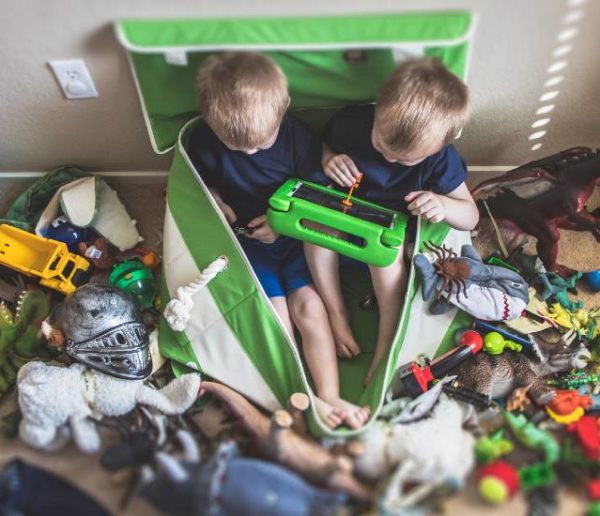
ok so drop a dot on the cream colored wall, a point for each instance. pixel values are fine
(513, 47)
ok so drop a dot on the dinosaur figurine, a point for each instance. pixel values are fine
(487, 292)
(544, 195)
(497, 376)
(20, 336)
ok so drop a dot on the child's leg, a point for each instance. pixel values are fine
(389, 284)
(309, 314)
(324, 267)
(281, 307)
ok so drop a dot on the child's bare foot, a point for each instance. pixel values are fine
(330, 415)
(354, 416)
(345, 344)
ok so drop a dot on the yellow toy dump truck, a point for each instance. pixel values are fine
(46, 259)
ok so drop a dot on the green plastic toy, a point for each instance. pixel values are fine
(491, 448)
(495, 344)
(533, 437)
(536, 475)
(20, 337)
(135, 278)
(380, 231)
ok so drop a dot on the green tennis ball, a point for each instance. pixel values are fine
(493, 490)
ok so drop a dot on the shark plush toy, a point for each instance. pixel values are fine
(487, 292)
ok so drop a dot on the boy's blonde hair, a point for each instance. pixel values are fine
(243, 97)
(421, 102)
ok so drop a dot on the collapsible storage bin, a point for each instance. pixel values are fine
(234, 335)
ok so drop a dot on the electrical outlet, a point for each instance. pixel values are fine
(74, 78)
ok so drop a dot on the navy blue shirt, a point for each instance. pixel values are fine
(349, 132)
(245, 182)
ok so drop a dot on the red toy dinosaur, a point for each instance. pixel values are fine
(544, 195)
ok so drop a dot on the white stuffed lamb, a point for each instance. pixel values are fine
(56, 401)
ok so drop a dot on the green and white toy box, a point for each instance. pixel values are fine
(234, 334)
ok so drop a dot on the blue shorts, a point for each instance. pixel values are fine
(280, 266)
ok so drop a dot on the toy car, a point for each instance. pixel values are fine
(46, 259)
(376, 232)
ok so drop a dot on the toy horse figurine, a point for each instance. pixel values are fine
(485, 291)
(544, 195)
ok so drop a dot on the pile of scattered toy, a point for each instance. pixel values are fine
(516, 401)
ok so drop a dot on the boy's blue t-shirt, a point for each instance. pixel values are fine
(349, 132)
(245, 182)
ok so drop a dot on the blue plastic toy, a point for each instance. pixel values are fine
(593, 280)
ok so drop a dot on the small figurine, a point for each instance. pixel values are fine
(568, 406)
(491, 448)
(544, 195)
(485, 291)
(531, 436)
(99, 252)
(518, 399)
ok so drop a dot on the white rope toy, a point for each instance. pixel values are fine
(179, 310)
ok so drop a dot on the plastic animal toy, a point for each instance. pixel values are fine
(276, 440)
(568, 406)
(228, 484)
(57, 402)
(485, 291)
(531, 436)
(491, 448)
(497, 376)
(575, 379)
(20, 338)
(554, 286)
(518, 399)
(415, 453)
(544, 195)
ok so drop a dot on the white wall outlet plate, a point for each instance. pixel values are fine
(74, 78)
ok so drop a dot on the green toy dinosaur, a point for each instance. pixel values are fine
(20, 337)
(533, 437)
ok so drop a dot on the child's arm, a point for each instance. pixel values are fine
(457, 208)
(224, 207)
(339, 167)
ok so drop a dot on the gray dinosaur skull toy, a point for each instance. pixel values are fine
(100, 326)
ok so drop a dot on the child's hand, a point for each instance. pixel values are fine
(262, 231)
(227, 211)
(341, 169)
(428, 204)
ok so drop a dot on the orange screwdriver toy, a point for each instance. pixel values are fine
(347, 201)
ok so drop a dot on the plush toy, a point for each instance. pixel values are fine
(415, 453)
(228, 484)
(487, 292)
(57, 402)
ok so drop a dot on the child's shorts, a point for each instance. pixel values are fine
(280, 266)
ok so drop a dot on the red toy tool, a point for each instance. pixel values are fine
(416, 379)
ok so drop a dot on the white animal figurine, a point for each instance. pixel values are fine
(432, 451)
(56, 402)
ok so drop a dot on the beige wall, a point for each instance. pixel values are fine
(513, 48)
